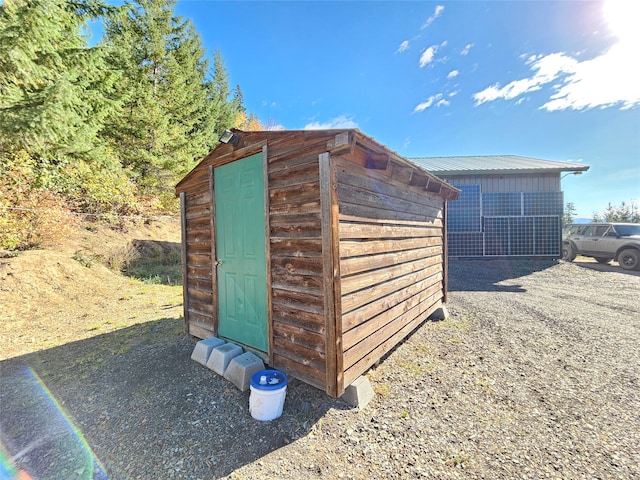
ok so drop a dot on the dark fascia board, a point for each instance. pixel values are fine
(520, 171)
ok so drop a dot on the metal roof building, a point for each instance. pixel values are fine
(508, 205)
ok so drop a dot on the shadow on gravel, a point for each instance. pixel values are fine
(604, 267)
(485, 275)
(132, 404)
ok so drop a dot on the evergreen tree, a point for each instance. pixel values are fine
(624, 213)
(224, 110)
(238, 100)
(169, 120)
(569, 213)
(55, 91)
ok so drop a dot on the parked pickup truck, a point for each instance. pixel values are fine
(604, 242)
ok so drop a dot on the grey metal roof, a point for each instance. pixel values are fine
(494, 164)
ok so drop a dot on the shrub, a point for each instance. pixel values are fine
(30, 215)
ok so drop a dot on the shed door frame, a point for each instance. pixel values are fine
(239, 155)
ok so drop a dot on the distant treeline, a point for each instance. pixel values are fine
(107, 127)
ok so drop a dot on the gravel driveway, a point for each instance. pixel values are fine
(534, 375)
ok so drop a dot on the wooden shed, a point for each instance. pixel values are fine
(319, 250)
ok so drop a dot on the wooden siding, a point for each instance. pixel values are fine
(391, 263)
(296, 246)
(197, 271)
(543, 182)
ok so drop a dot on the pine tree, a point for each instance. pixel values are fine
(55, 91)
(168, 120)
(569, 213)
(224, 110)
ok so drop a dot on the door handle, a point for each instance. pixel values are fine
(218, 263)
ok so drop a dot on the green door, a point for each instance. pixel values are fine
(240, 247)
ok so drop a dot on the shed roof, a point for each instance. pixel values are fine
(337, 141)
(494, 164)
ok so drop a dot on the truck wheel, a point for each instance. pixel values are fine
(567, 253)
(629, 259)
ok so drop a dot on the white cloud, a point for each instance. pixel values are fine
(546, 69)
(453, 74)
(436, 99)
(611, 79)
(403, 46)
(436, 13)
(341, 121)
(427, 56)
(467, 48)
(607, 80)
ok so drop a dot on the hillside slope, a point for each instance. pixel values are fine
(66, 292)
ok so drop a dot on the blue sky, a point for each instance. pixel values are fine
(544, 79)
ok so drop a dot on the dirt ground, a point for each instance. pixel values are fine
(66, 292)
(536, 374)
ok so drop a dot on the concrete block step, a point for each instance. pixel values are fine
(241, 368)
(221, 357)
(203, 349)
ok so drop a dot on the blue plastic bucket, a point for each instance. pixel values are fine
(268, 391)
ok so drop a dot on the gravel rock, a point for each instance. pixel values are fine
(534, 375)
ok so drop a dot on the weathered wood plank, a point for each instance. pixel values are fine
(331, 275)
(363, 230)
(366, 361)
(214, 270)
(282, 228)
(302, 208)
(199, 247)
(294, 194)
(200, 222)
(432, 222)
(362, 280)
(200, 330)
(204, 307)
(198, 271)
(381, 185)
(284, 279)
(300, 265)
(300, 354)
(357, 248)
(376, 213)
(199, 295)
(381, 336)
(183, 254)
(301, 336)
(198, 197)
(367, 295)
(199, 259)
(363, 314)
(289, 174)
(363, 331)
(349, 266)
(301, 297)
(296, 246)
(303, 372)
(194, 213)
(267, 249)
(292, 314)
(199, 283)
(353, 195)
